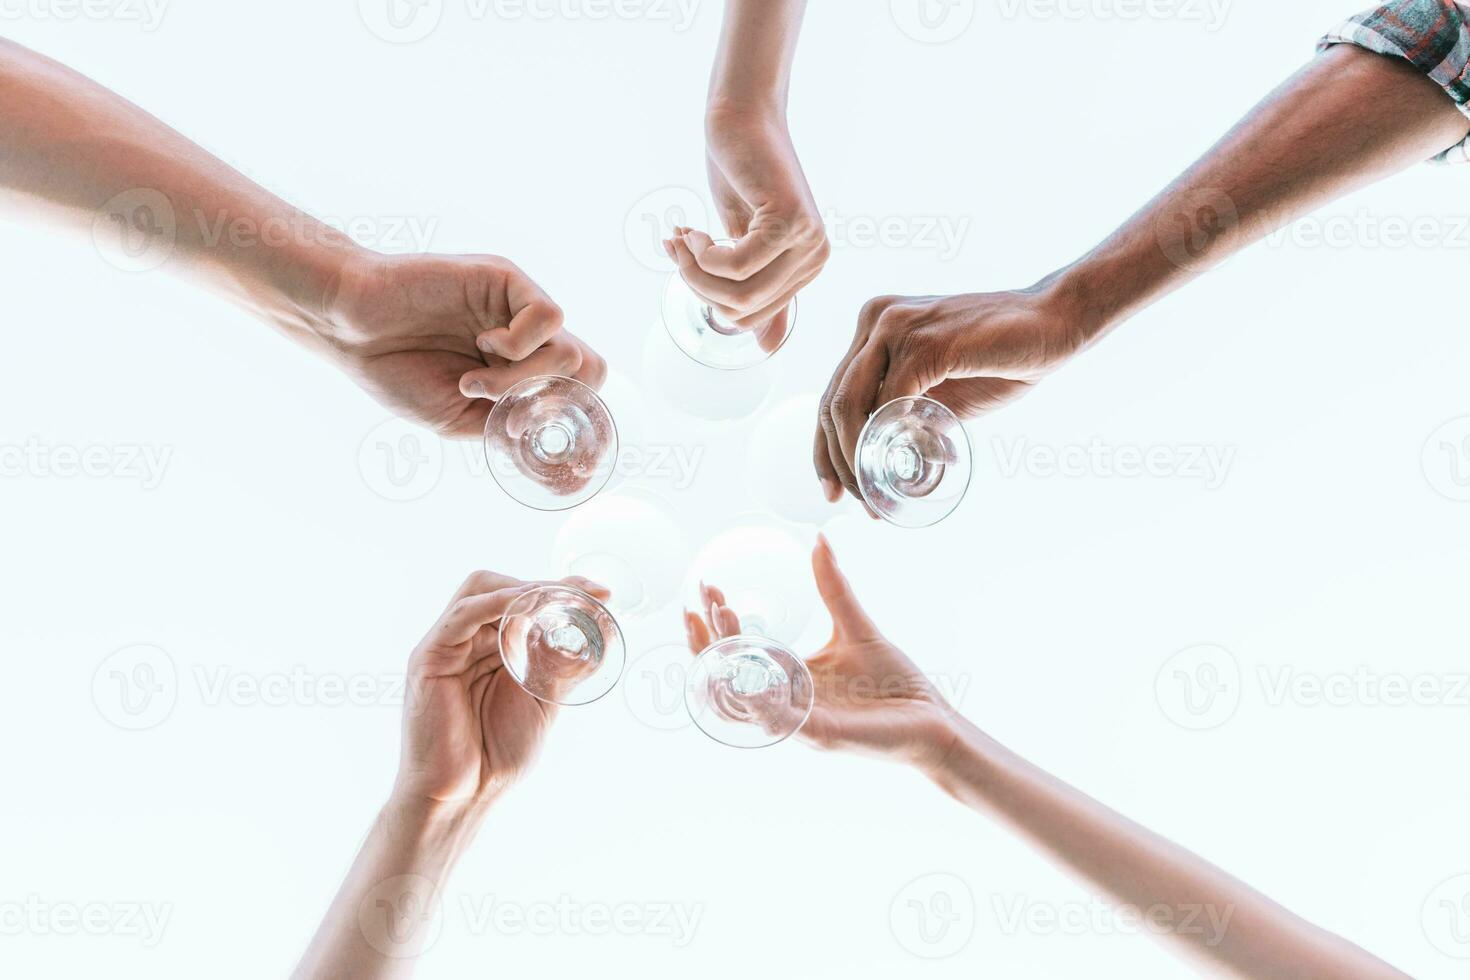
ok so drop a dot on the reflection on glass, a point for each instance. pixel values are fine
(562, 645)
(749, 692)
(630, 542)
(764, 571)
(713, 341)
(913, 462)
(551, 443)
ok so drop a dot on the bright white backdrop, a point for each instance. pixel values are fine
(267, 557)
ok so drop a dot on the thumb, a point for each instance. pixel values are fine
(848, 617)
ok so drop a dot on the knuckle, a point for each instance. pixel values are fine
(874, 308)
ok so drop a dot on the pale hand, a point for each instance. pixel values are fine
(469, 730)
(766, 205)
(870, 697)
(437, 338)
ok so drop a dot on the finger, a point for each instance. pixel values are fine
(835, 458)
(774, 334)
(856, 397)
(759, 291)
(469, 615)
(763, 242)
(722, 294)
(848, 617)
(822, 458)
(560, 357)
(480, 582)
(596, 590)
(828, 447)
(593, 372)
(535, 319)
(697, 633)
(727, 624)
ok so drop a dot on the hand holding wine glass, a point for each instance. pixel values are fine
(869, 696)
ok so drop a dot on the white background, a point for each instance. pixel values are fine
(1054, 602)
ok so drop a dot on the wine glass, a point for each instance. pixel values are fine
(551, 443)
(562, 645)
(913, 462)
(749, 692)
(630, 541)
(707, 337)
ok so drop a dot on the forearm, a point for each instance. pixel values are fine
(1221, 924)
(80, 154)
(752, 69)
(383, 916)
(1349, 118)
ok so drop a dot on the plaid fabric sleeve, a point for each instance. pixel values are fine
(1431, 35)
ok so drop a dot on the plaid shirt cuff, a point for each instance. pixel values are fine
(1431, 35)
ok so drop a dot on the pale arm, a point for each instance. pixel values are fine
(435, 338)
(1221, 925)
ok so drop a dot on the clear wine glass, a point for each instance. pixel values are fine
(630, 541)
(707, 337)
(749, 692)
(914, 462)
(551, 443)
(562, 645)
(764, 570)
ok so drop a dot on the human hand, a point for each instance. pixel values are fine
(766, 205)
(469, 731)
(870, 697)
(973, 353)
(438, 338)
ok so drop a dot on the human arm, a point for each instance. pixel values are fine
(469, 734)
(872, 699)
(418, 333)
(759, 188)
(1349, 118)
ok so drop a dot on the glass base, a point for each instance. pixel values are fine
(749, 692)
(551, 443)
(562, 646)
(914, 462)
(712, 340)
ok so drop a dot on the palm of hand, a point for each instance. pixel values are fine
(470, 733)
(871, 698)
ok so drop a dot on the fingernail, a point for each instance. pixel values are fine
(474, 390)
(831, 490)
(484, 344)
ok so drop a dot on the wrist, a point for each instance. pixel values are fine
(298, 283)
(728, 110)
(1077, 297)
(433, 828)
(962, 743)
